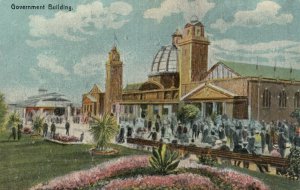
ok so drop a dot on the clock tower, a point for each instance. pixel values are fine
(114, 77)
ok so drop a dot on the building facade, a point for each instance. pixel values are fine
(179, 72)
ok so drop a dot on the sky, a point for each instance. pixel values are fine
(66, 51)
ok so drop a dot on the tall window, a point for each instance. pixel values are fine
(297, 100)
(266, 98)
(282, 99)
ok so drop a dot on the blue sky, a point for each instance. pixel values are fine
(66, 51)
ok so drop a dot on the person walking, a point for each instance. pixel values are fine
(13, 133)
(282, 140)
(53, 129)
(251, 142)
(157, 126)
(263, 141)
(67, 126)
(149, 125)
(20, 126)
(194, 131)
(45, 129)
(81, 136)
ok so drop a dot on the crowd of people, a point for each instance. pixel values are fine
(268, 138)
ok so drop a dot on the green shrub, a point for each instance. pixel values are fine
(207, 160)
(163, 160)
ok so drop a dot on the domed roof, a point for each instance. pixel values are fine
(165, 61)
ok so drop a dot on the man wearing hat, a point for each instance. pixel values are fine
(245, 151)
(251, 142)
(282, 140)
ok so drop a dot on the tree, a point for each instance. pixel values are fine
(187, 113)
(103, 130)
(296, 114)
(3, 111)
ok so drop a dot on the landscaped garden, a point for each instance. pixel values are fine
(30, 161)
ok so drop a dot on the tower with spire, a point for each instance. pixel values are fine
(114, 78)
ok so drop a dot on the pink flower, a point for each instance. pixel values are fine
(180, 181)
(87, 177)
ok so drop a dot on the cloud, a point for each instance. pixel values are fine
(37, 43)
(187, 7)
(50, 63)
(90, 65)
(283, 53)
(265, 13)
(18, 92)
(85, 20)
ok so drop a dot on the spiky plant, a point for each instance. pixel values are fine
(103, 130)
(38, 121)
(163, 160)
(13, 120)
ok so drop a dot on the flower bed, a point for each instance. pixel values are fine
(180, 181)
(110, 175)
(226, 177)
(64, 138)
(85, 178)
(27, 130)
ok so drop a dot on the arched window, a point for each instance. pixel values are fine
(297, 100)
(266, 98)
(282, 99)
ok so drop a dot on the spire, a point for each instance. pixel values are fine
(115, 40)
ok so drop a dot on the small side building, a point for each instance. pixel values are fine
(93, 102)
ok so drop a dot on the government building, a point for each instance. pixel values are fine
(180, 72)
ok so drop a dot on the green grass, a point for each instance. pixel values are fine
(30, 161)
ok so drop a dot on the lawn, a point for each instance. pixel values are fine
(30, 161)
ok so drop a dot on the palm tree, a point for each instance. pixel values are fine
(13, 120)
(103, 129)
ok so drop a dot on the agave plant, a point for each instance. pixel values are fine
(103, 130)
(38, 121)
(163, 160)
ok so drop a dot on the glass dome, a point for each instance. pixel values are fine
(165, 61)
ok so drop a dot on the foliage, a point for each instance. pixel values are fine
(103, 129)
(207, 160)
(3, 111)
(27, 130)
(163, 160)
(296, 114)
(187, 113)
(13, 120)
(64, 138)
(38, 122)
(294, 162)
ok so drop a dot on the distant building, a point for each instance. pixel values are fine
(93, 102)
(51, 103)
(179, 72)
